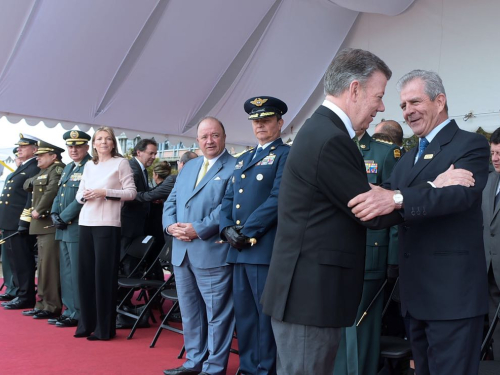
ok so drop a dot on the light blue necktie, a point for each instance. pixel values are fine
(421, 147)
(258, 152)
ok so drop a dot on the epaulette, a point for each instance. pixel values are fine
(381, 141)
(243, 152)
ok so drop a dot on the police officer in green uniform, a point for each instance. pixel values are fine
(43, 187)
(64, 215)
(359, 349)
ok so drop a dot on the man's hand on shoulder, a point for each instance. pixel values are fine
(454, 176)
(373, 203)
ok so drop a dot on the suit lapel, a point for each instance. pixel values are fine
(21, 168)
(493, 189)
(324, 111)
(433, 149)
(210, 173)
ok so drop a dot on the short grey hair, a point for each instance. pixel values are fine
(350, 65)
(433, 85)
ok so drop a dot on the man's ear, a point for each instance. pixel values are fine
(354, 90)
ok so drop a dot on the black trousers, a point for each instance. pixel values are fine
(99, 253)
(22, 262)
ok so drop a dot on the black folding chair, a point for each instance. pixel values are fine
(489, 367)
(394, 349)
(145, 285)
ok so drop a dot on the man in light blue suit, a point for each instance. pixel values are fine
(202, 276)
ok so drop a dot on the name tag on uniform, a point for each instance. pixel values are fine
(268, 160)
(44, 176)
(428, 156)
(76, 177)
(239, 165)
(371, 166)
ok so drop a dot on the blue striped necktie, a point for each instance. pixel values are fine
(422, 146)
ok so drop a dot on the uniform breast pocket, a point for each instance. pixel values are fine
(40, 184)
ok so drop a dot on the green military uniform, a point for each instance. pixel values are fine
(359, 349)
(68, 210)
(43, 187)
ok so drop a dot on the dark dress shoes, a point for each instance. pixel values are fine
(30, 312)
(80, 335)
(54, 321)
(181, 371)
(6, 297)
(17, 305)
(5, 303)
(44, 314)
(68, 322)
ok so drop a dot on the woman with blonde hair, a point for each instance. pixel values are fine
(106, 182)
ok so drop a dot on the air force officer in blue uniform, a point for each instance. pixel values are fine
(202, 276)
(248, 222)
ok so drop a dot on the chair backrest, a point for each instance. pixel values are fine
(489, 335)
(139, 248)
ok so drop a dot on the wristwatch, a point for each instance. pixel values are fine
(398, 199)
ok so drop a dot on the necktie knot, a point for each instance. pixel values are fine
(422, 146)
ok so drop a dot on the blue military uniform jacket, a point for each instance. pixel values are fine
(65, 204)
(252, 201)
(14, 198)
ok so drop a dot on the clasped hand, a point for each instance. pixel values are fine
(89, 194)
(182, 231)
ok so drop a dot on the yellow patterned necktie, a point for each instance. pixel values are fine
(203, 172)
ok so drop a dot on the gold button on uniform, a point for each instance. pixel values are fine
(238, 222)
(40, 189)
(241, 191)
(238, 206)
(64, 185)
(62, 195)
(376, 243)
(243, 176)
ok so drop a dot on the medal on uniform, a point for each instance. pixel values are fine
(259, 177)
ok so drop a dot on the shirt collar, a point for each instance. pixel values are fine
(142, 166)
(436, 130)
(212, 161)
(345, 119)
(24, 162)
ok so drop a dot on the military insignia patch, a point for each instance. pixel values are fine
(76, 177)
(268, 160)
(397, 153)
(59, 170)
(239, 165)
(258, 102)
(74, 134)
(371, 166)
(259, 177)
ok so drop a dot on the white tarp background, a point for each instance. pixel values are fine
(157, 66)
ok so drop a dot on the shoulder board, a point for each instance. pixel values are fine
(383, 142)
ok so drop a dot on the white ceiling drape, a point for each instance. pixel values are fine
(158, 66)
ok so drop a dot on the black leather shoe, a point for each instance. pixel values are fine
(6, 297)
(17, 305)
(5, 303)
(68, 322)
(44, 314)
(30, 312)
(181, 371)
(54, 321)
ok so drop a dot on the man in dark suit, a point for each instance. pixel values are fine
(19, 248)
(250, 211)
(491, 234)
(64, 214)
(202, 276)
(315, 277)
(134, 214)
(443, 279)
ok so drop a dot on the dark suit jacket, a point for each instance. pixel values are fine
(14, 197)
(491, 224)
(441, 254)
(316, 271)
(134, 213)
(256, 207)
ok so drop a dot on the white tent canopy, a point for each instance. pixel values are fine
(158, 66)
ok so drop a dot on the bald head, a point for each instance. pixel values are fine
(392, 129)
